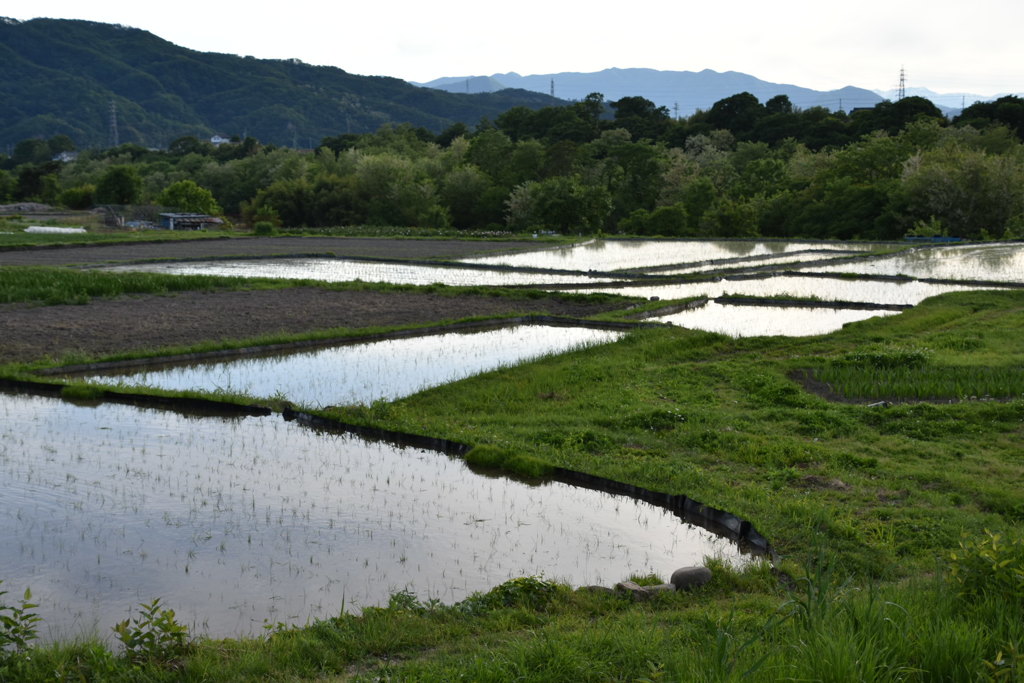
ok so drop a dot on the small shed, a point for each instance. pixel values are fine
(187, 221)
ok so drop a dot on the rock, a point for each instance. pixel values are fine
(688, 578)
(633, 589)
(640, 593)
(595, 589)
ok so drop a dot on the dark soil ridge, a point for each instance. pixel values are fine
(249, 247)
(808, 303)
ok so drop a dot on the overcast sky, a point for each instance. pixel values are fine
(947, 47)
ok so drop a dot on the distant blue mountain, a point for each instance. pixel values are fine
(681, 92)
(951, 103)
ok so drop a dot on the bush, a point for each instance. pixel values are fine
(264, 228)
(989, 567)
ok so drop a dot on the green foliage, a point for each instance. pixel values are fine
(119, 185)
(264, 228)
(990, 566)
(492, 457)
(527, 592)
(81, 197)
(187, 197)
(154, 636)
(17, 627)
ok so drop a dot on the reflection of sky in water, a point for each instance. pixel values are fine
(606, 255)
(232, 522)
(754, 321)
(825, 288)
(756, 262)
(363, 373)
(340, 270)
(991, 262)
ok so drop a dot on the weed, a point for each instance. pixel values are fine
(17, 626)
(154, 636)
(530, 592)
(989, 566)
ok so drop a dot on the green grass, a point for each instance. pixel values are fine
(12, 235)
(884, 517)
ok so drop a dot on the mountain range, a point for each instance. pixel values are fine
(102, 84)
(684, 92)
(80, 78)
(681, 92)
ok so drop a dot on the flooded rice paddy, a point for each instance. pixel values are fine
(889, 292)
(341, 270)
(366, 372)
(608, 255)
(238, 522)
(951, 267)
(754, 321)
(1002, 262)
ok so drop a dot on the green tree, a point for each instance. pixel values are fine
(119, 185)
(188, 197)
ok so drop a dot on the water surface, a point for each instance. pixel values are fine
(909, 292)
(1001, 262)
(341, 270)
(365, 372)
(238, 522)
(754, 321)
(607, 255)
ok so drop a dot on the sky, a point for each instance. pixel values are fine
(946, 47)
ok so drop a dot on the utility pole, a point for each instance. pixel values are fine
(114, 138)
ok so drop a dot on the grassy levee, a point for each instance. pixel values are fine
(899, 524)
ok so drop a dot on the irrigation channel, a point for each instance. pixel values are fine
(238, 518)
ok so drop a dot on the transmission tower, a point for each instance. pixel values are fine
(552, 87)
(114, 138)
(903, 85)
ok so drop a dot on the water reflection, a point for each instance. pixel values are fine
(825, 288)
(1001, 262)
(234, 522)
(754, 321)
(366, 372)
(607, 255)
(341, 270)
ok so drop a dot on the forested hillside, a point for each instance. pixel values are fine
(741, 169)
(60, 77)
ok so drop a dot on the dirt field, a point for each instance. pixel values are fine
(154, 322)
(254, 246)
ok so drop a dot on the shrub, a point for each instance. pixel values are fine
(990, 566)
(154, 637)
(17, 626)
(264, 228)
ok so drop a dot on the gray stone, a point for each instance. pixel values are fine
(595, 589)
(640, 593)
(632, 588)
(688, 578)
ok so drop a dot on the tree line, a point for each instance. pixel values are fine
(740, 169)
